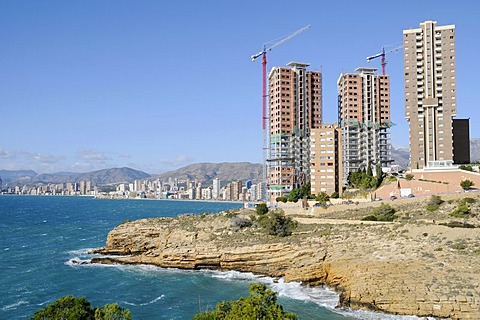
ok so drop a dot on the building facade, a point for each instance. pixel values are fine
(430, 93)
(326, 159)
(461, 141)
(364, 119)
(295, 107)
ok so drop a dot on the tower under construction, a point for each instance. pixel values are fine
(364, 119)
(295, 107)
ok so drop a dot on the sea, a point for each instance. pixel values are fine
(41, 238)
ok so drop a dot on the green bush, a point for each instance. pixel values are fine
(70, 307)
(335, 195)
(462, 211)
(409, 176)
(277, 224)
(262, 208)
(382, 213)
(467, 200)
(282, 199)
(322, 197)
(466, 184)
(370, 218)
(434, 202)
(466, 167)
(260, 304)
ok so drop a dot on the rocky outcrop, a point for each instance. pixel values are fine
(402, 268)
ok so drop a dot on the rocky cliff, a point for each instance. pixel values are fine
(413, 266)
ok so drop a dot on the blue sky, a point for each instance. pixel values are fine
(156, 85)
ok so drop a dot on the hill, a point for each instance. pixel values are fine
(225, 171)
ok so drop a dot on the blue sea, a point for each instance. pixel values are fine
(40, 236)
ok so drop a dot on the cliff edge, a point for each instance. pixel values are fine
(412, 266)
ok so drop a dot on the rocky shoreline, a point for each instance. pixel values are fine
(412, 266)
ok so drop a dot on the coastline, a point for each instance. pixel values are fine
(395, 267)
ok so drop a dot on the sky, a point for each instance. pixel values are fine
(157, 85)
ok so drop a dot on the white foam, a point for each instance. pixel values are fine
(14, 306)
(145, 303)
(76, 262)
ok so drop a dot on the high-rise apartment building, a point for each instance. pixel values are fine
(326, 159)
(364, 119)
(295, 107)
(430, 98)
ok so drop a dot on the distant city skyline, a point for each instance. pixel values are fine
(159, 85)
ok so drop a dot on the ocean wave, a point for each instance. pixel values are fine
(322, 296)
(77, 261)
(145, 303)
(14, 305)
(293, 290)
(80, 252)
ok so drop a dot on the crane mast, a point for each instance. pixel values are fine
(263, 53)
(382, 54)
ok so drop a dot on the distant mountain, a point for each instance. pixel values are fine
(226, 172)
(401, 156)
(474, 149)
(8, 176)
(100, 177)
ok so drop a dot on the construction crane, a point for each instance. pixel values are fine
(263, 53)
(382, 54)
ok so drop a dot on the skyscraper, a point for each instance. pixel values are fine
(364, 119)
(295, 107)
(430, 98)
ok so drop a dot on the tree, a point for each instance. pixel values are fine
(67, 307)
(466, 184)
(112, 311)
(72, 308)
(260, 304)
(262, 208)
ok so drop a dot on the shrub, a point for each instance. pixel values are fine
(260, 304)
(462, 211)
(409, 176)
(434, 202)
(240, 223)
(466, 167)
(467, 200)
(466, 184)
(457, 224)
(262, 208)
(322, 197)
(282, 199)
(277, 224)
(370, 218)
(335, 195)
(383, 213)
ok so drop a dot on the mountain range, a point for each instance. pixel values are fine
(99, 177)
(205, 172)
